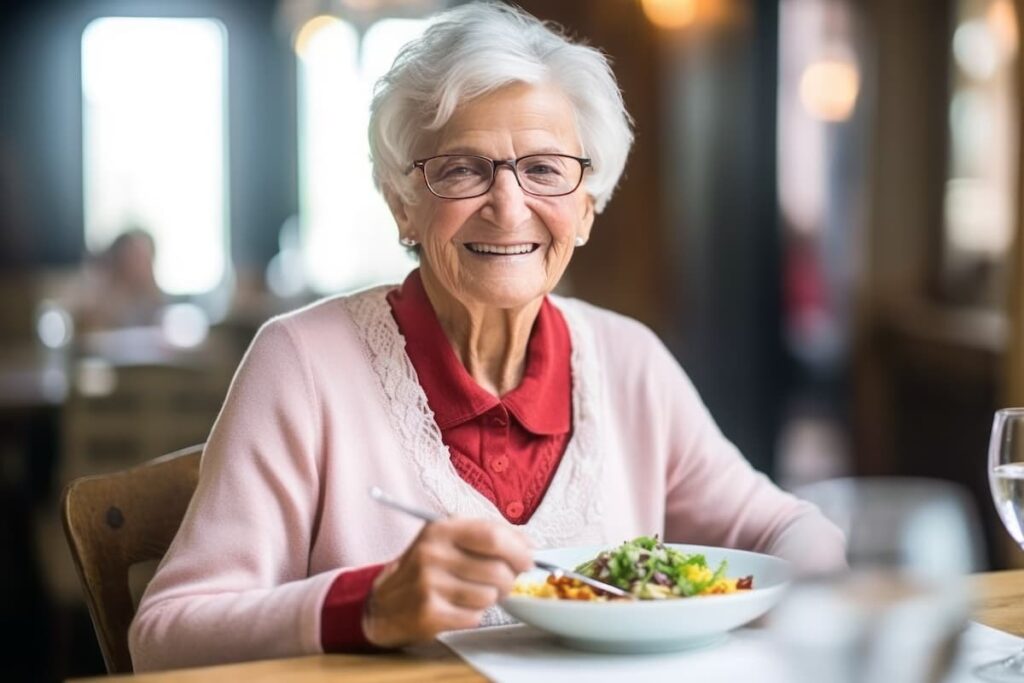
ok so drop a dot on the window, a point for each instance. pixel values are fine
(154, 113)
(349, 240)
(980, 193)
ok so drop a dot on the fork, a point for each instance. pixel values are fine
(558, 572)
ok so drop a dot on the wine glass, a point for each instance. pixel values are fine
(1006, 479)
(897, 612)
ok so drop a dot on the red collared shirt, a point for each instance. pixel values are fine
(507, 448)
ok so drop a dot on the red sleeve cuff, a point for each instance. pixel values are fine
(341, 618)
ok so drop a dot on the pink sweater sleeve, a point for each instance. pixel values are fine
(714, 496)
(234, 585)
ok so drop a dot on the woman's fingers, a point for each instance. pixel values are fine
(488, 539)
(400, 613)
(447, 548)
(454, 570)
(477, 569)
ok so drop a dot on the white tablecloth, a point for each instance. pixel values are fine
(514, 654)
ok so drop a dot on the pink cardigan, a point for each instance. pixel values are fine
(326, 404)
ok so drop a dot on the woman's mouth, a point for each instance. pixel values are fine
(501, 249)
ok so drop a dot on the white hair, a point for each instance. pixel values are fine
(477, 48)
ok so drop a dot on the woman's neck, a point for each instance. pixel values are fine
(490, 342)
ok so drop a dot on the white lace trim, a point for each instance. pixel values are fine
(570, 513)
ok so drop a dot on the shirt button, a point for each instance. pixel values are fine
(498, 421)
(514, 510)
(499, 464)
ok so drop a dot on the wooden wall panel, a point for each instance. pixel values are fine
(1013, 391)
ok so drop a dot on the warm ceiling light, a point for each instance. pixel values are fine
(828, 89)
(1002, 18)
(670, 14)
(309, 30)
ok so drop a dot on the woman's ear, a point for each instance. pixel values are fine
(587, 218)
(399, 209)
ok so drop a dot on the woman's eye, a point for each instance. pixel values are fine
(460, 172)
(541, 169)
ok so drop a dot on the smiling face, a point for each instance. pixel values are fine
(504, 249)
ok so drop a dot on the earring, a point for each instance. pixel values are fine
(580, 241)
(407, 242)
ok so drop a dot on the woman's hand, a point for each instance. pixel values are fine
(452, 572)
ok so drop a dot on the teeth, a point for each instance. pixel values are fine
(497, 249)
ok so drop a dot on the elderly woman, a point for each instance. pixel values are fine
(525, 420)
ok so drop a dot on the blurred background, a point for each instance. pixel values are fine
(821, 218)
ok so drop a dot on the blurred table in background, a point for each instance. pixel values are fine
(114, 397)
(103, 402)
(31, 377)
(33, 387)
(74, 402)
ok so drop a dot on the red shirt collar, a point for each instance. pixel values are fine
(541, 403)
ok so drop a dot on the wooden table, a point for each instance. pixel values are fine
(1000, 600)
(1000, 604)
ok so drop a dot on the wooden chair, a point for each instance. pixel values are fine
(116, 521)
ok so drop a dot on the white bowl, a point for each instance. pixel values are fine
(653, 625)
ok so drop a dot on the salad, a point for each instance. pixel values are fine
(648, 569)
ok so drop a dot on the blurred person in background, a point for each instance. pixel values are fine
(119, 288)
(521, 419)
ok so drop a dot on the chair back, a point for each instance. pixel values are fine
(114, 522)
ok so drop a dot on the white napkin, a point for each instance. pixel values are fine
(514, 654)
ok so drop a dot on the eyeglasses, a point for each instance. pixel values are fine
(464, 176)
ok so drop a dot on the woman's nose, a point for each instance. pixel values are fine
(506, 200)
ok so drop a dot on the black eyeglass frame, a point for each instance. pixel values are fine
(584, 162)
